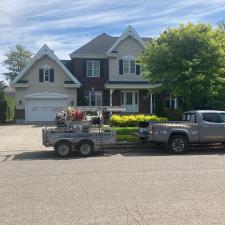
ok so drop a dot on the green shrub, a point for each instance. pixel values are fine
(7, 108)
(10, 109)
(132, 120)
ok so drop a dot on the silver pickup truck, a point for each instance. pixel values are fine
(197, 127)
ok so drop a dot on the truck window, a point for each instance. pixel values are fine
(222, 115)
(191, 117)
(211, 117)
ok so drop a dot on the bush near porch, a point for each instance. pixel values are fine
(133, 120)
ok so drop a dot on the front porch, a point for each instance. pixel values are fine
(134, 96)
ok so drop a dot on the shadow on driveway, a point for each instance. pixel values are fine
(50, 155)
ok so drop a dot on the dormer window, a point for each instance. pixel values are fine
(129, 65)
(46, 74)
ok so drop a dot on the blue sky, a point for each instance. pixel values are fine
(68, 24)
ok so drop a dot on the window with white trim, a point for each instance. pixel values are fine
(129, 65)
(171, 102)
(93, 98)
(46, 71)
(93, 68)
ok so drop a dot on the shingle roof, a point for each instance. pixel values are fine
(100, 45)
(68, 64)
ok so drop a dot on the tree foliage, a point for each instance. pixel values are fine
(7, 107)
(189, 61)
(2, 84)
(222, 25)
(16, 59)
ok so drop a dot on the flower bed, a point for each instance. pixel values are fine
(133, 120)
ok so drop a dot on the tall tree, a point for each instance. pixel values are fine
(16, 59)
(188, 61)
(222, 25)
(2, 84)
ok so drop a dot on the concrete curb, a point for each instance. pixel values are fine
(128, 146)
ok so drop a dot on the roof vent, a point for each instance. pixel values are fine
(103, 33)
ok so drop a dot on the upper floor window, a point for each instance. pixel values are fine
(129, 65)
(46, 74)
(93, 68)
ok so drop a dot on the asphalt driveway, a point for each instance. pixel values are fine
(21, 138)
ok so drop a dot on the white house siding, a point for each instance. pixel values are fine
(34, 86)
(127, 47)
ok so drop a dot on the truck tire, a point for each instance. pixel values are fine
(177, 144)
(63, 149)
(85, 148)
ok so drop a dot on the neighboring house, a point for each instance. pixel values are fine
(103, 72)
(44, 87)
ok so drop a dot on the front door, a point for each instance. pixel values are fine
(129, 100)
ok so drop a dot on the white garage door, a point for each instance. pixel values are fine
(44, 109)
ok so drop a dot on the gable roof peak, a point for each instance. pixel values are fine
(129, 31)
(45, 50)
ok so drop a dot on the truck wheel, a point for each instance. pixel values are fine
(177, 144)
(85, 148)
(63, 149)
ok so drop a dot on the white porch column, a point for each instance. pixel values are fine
(151, 104)
(110, 98)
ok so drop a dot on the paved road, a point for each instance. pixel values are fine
(112, 187)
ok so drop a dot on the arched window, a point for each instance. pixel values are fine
(129, 65)
(46, 71)
(46, 74)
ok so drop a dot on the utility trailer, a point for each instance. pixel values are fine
(79, 135)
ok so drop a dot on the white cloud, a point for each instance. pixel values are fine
(66, 25)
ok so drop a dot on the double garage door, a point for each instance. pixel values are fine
(44, 109)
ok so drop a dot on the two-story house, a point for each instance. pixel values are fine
(109, 73)
(103, 72)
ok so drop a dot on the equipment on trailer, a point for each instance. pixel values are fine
(74, 132)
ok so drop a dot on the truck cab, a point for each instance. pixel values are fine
(200, 126)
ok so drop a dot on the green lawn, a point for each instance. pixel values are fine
(126, 134)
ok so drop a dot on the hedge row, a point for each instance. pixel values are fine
(7, 108)
(133, 120)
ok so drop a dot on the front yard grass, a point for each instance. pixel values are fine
(126, 134)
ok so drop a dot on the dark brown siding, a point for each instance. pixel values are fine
(144, 102)
(116, 98)
(79, 69)
(20, 114)
(105, 98)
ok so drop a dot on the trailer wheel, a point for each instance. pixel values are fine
(63, 149)
(177, 144)
(85, 148)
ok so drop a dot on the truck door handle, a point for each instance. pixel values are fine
(205, 126)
